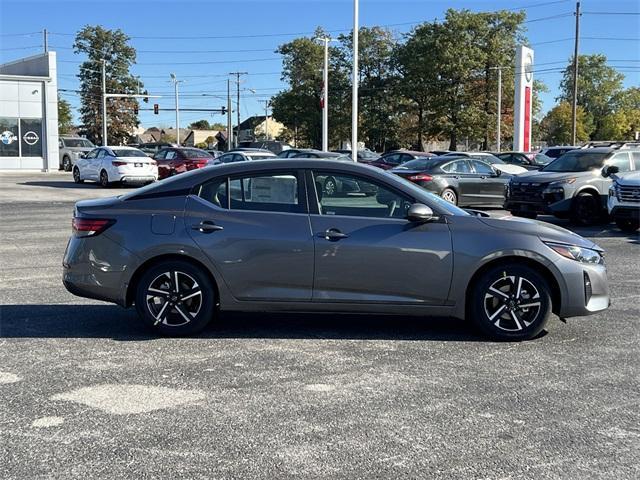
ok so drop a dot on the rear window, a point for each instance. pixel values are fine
(417, 164)
(577, 161)
(78, 143)
(195, 153)
(121, 152)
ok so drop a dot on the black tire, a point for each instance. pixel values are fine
(104, 179)
(330, 187)
(586, 209)
(76, 175)
(520, 213)
(197, 309)
(628, 225)
(450, 195)
(66, 164)
(493, 303)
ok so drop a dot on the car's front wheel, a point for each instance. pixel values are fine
(66, 164)
(76, 175)
(586, 209)
(175, 298)
(510, 302)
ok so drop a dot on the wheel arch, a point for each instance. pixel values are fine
(150, 262)
(540, 268)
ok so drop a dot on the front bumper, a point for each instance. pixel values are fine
(555, 202)
(587, 288)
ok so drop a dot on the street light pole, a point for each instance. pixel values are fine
(229, 115)
(325, 96)
(175, 81)
(237, 74)
(266, 119)
(104, 103)
(354, 91)
(574, 106)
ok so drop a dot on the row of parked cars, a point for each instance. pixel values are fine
(575, 184)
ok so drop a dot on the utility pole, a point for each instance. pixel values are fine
(499, 110)
(104, 103)
(237, 74)
(266, 118)
(354, 91)
(45, 40)
(325, 95)
(229, 116)
(175, 81)
(574, 106)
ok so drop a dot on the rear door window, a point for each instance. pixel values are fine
(460, 166)
(482, 168)
(215, 192)
(620, 160)
(273, 192)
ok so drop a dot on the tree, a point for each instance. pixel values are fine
(598, 86)
(64, 117)
(557, 125)
(200, 125)
(99, 43)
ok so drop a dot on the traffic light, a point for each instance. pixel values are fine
(156, 108)
(146, 99)
(135, 108)
(223, 110)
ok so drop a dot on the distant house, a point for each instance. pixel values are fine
(196, 137)
(254, 128)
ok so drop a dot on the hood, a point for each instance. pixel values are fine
(79, 149)
(512, 169)
(547, 232)
(538, 176)
(628, 179)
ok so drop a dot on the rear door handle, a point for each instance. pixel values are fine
(333, 234)
(207, 226)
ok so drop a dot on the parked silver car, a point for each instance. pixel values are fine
(71, 149)
(261, 236)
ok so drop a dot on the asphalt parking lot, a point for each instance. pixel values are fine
(87, 392)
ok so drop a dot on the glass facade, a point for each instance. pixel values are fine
(9, 137)
(20, 137)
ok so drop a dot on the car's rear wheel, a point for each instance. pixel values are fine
(585, 209)
(104, 179)
(628, 225)
(330, 187)
(76, 175)
(450, 196)
(175, 298)
(510, 302)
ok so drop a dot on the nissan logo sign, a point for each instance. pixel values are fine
(30, 138)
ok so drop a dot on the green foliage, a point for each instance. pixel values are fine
(65, 120)
(202, 145)
(200, 125)
(557, 125)
(111, 45)
(598, 86)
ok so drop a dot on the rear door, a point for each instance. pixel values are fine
(467, 182)
(258, 236)
(366, 251)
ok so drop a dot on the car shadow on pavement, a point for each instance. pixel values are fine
(60, 184)
(110, 321)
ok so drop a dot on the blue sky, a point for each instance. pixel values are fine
(273, 22)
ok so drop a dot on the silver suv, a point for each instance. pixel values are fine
(71, 148)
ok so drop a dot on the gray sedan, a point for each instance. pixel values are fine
(261, 236)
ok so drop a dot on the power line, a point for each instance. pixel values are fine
(212, 62)
(611, 13)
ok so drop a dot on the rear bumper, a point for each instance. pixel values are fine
(137, 179)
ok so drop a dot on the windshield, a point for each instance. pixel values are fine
(122, 152)
(576, 161)
(78, 142)
(195, 153)
(368, 154)
(542, 159)
(488, 158)
(420, 163)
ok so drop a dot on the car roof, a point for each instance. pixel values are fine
(123, 147)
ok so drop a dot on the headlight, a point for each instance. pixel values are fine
(556, 186)
(579, 254)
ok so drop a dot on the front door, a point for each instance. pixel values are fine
(468, 183)
(258, 236)
(491, 186)
(366, 251)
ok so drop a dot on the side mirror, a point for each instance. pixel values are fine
(610, 170)
(83, 155)
(498, 172)
(420, 213)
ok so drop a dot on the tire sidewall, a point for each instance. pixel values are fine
(475, 309)
(103, 184)
(452, 192)
(576, 214)
(207, 309)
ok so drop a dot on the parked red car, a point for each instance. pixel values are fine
(174, 160)
(398, 157)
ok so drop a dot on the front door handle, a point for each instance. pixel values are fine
(333, 234)
(207, 226)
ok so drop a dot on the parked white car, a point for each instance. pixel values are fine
(107, 165)
(491, 159)
(624, 198)
(71, 149)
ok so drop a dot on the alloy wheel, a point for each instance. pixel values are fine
(174, 298)
(449, 196)
(104, 179)
(512, 303)
(76, 175)
(330, 187)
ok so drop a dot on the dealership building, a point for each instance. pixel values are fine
(29, 113)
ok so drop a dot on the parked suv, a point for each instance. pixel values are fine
(624, 198)
(71, 149)
(571, 186)
(556, 152)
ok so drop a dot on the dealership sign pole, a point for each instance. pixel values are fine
(523, 99)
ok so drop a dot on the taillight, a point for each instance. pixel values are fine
(153, 162)
(90, 227)
(420, 178)
(118, 164)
